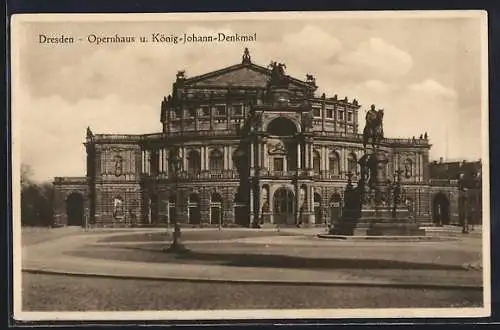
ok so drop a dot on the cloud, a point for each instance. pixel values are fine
(119, 90)
(378, 86)
(432, 87)
(375, 58)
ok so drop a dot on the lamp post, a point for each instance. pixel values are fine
(175, 164)
(463, 205)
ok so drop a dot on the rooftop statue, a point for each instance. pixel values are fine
(373, 130)
(310, 79)
(277, 72)
(181, 74)
(246, 56)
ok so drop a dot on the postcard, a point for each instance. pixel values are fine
(250, 166)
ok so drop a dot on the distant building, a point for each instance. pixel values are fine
(456, 187)
(256, 146)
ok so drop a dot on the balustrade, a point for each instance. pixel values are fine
(197, 175)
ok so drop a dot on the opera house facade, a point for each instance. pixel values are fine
(256, 147)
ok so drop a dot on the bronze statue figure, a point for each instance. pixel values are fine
(181, 74)
(310, 79)
(246, 56)
(277, 72)
(373, 130)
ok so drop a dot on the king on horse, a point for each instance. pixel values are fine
(373, 129)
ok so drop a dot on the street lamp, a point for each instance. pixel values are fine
(175, 164)
(463, 192)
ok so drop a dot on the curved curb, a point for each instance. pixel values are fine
(257, 281)
(388, 238)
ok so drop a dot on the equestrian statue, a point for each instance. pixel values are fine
(373, 130)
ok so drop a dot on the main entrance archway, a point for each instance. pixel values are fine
(284, 206)
(75, 209)
(441, 209)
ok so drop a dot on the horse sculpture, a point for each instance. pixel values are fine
(373, 130)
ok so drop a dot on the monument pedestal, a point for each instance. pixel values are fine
(374, 207)
(378, 222)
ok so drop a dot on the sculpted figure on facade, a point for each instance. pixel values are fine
(118, 165)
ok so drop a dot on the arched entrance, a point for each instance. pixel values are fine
(241, 212)
(216, 209)
(194, 216)
(318, 214)
(75, 210)
(282, 126)
(441, 209)
(284, 207)
(335, 208)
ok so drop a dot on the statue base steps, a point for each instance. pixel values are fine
(378, 222)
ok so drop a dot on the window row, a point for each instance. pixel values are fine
(192, 162)
(220, 110)
(330, 113)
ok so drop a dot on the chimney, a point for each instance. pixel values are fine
(441, 160)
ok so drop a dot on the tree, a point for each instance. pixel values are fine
(26, 175)
(37, 200)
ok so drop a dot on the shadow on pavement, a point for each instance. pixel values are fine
(255, 260)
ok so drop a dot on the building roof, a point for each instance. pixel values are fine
(245, 74)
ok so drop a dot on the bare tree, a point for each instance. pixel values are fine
(26, 175)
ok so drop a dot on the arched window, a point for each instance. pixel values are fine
(239, 159)
(352, 163)
(334, 163)
(216, 160)
(316, 162)
(118, 209)
(194, 162)
(215, 198)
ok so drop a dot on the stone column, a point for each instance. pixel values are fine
(207, 165)
(299, 158)
(311, 206)
(224, 154)
(251, 207)
(310, 155)
(297, 214)
(229, 158)
(252, 155)
(265, 156)
(202, 158)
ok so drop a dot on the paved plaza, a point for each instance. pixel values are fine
(443, 270)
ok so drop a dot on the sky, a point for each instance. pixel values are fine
(425, 72)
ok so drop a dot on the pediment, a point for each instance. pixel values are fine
(240, 75)
(244, 77)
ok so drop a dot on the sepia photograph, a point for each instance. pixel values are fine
(271, 165)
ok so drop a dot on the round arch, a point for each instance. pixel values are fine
(194, 214)
(282, 126)
(75, 209)
(193, 162)
(441, 209)
(284, 206)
